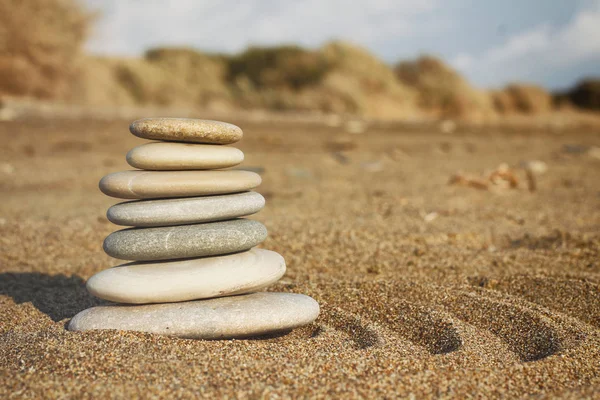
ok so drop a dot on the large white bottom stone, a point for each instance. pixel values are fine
(222, 318)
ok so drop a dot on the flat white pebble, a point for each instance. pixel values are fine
(168, 184)
(161, 156)
(199, 278)
(222, 318)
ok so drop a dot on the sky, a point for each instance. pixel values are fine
(553, 43)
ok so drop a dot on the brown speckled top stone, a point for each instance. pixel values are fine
(186, 130)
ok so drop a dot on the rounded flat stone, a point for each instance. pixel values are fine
(241, 316)
(187, 210)
(198, 278)
(185, 241)
(164, 184)
(186, 130)
(183, 156)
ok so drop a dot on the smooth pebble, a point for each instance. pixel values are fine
(183, 156)
(241, 316)
(186, 130)
(166, 184)
(187, 210)
(199, 278)
(185, 241)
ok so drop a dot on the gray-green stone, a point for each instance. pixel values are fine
(185, 241)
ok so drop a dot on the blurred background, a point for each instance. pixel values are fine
(478, 61)
(430, 170)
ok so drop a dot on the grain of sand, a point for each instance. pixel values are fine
(426, 289)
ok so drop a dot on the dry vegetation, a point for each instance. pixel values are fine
(41, 57)
(522, 98)
(365, 83)
(442, 90)
(40, 46)
(586, 94)
(280, 78)
(164, 77)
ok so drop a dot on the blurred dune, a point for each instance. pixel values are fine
(586, 94)
(41, 57)
(40, 45)
(442, 91)
(522, 98)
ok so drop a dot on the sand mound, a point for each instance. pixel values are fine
(289, 67)
(522, 98)
(201, 75)
(364, 84)
(278, 78)
(441, 90)
(98, 83)
(337, 78)
(165, 77)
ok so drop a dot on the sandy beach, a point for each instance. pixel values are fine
(427, 289)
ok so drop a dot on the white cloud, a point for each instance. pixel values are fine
(552, 51)
(462, 61)
(130, 26)
(534, 53)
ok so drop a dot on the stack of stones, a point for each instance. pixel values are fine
(196, 273)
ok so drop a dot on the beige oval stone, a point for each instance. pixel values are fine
(183, 156)
(246, 315)
(165, 184)
(186, 210)
(186, 130)
(199, 278)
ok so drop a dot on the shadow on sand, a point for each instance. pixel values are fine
(61, 297)
(57, 296)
